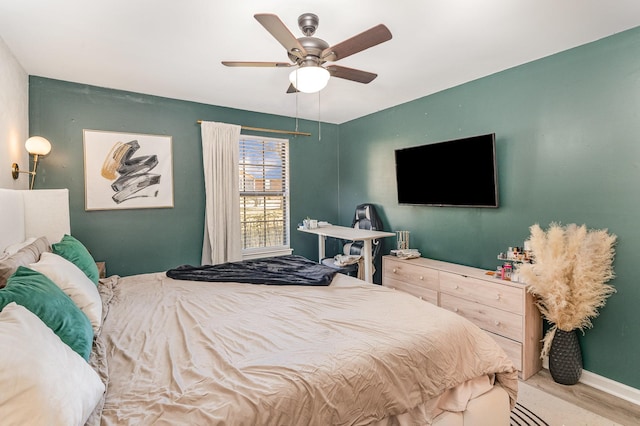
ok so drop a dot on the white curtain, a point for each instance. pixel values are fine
(221, 243)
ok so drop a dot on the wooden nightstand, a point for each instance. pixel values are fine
(102, 269)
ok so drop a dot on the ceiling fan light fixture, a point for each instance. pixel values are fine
(310, 79)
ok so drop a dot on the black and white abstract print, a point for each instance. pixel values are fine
(127, 170)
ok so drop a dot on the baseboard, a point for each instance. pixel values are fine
(611, 387)
(617, 389)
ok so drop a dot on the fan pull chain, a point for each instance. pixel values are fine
(319, 122)
(297, 110)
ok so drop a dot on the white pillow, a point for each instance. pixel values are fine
(43, 381)
(74, 283)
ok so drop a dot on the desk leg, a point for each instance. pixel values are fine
(367, 261)
(321, 240)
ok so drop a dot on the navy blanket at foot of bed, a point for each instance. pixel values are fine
(280, 270)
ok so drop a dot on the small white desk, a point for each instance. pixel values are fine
(351, 234)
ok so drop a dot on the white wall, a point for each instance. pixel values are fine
(14, 118)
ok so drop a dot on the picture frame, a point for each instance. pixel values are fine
(127, 170)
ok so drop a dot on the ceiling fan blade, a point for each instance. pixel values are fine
(257, 64)
(351, 74)
(364, 40)
(280, 32)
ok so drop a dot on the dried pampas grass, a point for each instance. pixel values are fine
(568, 276)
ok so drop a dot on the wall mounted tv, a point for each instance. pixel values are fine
(460, 173)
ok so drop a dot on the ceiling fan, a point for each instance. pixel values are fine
(310, 54)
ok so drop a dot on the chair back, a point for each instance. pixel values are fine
(366, 217)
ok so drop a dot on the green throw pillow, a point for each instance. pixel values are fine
(75, 252)
(41, 296)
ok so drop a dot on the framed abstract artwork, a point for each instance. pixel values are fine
(127, 170)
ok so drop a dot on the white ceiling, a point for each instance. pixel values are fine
(173, 48)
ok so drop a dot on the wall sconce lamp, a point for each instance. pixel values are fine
(36, 146)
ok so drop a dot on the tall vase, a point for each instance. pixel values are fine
(565, 357)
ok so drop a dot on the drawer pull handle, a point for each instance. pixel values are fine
(421, 277)
(498, 296)
(395, 270)
(497, 322)
(456, 286)
(455, 309)
(420, 297)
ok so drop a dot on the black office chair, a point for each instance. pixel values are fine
(365, 217)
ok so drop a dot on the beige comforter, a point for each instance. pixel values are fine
(196, 353)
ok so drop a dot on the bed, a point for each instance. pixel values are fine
(183, 351)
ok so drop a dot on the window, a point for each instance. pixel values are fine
(264, 196)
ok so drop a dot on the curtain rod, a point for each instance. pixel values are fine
(260, 129)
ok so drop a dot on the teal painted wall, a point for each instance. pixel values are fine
(149, 240)
(568, 150)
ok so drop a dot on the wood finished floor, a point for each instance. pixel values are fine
(594, 400)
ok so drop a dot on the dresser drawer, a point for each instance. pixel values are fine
(511, 348)
(495, 320)
(487, 293)
(420, 292)
(410, 273)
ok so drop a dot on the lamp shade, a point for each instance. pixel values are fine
(37, 145)
(309, 79)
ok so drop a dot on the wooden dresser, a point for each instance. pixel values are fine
(503, 309)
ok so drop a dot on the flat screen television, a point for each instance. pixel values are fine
(460, 173)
